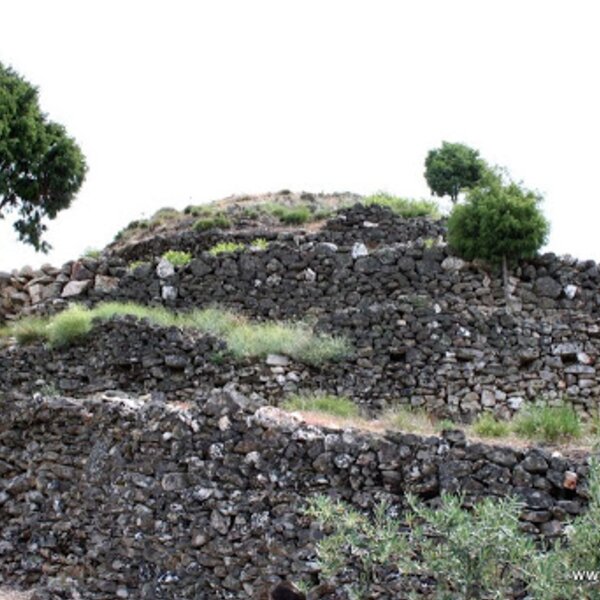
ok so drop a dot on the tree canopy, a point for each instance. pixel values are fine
(498, 222)
(41, 167)
(453, 168)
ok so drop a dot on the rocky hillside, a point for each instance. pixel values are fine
(141, 451)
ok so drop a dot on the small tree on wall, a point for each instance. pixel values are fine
(453, 168)
(498, 223)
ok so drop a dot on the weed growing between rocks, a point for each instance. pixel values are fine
(216, 221)
(225, 247)
(470, 554)
(177, 258)
(244, 339)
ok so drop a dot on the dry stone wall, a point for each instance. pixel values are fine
(126, 498)
(427, 328)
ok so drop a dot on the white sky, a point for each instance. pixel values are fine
(189, 101)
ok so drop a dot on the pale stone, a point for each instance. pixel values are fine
(164, 269)
(359, 249)
(75, 288)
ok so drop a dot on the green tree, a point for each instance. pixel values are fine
(498, 223)
(453, 168)
(41, 167)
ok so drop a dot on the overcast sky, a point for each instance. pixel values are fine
(184, 102)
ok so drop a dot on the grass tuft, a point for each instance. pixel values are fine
(337, 406)
(216, 221)
(404, 207)
(488, 426)
(28, 330)
(243, 338)
(290, 215)
(225, 247)
(69, 326)
(259, 244)
(548, 423)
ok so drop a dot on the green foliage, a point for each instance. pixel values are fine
(453, 168)
(290, 215)
(338, 406)
(498, 221)
(29, 329)
(215, 221)
(69, 326)
(177, 258)
(487, 425)
(353, 537)
(244, 339)
(224, 247)
(259, 244)
(92, 253)
(477, 554)
(294, 340)
(134, 264)
(404, 207)
(41, 167)
(548, 423)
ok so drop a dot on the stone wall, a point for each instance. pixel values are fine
(126, 498)
(427, 328)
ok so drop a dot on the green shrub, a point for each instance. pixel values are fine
(471, 554)
(290, 215)
(225, 247)
(177, 258)
(259, 244)
(487, 425)
(548, 423)
(404, 207)
(217, 221)
(69, 326)
(338, 406)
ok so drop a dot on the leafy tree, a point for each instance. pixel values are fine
(498, 223)
(453, 168)
(41, 167)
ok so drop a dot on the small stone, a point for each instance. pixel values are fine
(75, 288)
(105, 284)
(488, 398)
(277, 360)
(570, 291)
(169, 292)
(309, 275)
(570, 480)
(165, 269)
(359, 249)
(453, 264)
(515, 402)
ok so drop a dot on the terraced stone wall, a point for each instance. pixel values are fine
(126, 498)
